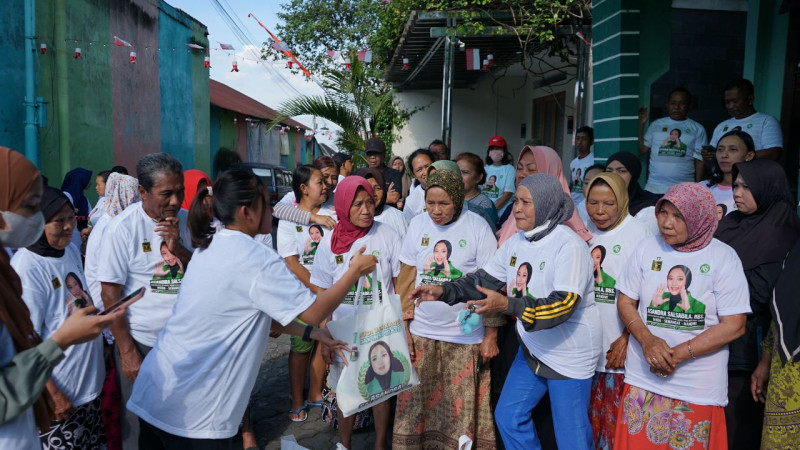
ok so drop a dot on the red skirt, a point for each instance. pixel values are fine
(649, 420)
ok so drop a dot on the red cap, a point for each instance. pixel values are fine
(497, 141)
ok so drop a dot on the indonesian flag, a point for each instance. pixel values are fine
(473, 59)
(195, 46)
(333, 54)
(121, 42)
(225, 46)
(365, 55)
(280, 46)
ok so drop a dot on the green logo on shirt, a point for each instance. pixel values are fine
(616, 249)
(541, 266)
(462, 243)
(705, 268)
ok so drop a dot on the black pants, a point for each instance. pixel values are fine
(152, 438)
(744, 418)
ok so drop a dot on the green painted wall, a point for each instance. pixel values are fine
(200, 100)
(12, 75)
(765, 53)
(654, 45)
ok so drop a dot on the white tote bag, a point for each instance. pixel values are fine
(379, 366)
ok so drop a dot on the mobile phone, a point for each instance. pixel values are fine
(125, 301)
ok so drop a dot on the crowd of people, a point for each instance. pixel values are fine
(539, 310)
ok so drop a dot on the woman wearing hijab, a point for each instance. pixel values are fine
(44, 269)
(75, 182)
(446, 350)
(384, 213)
(762, 230)
(676, 379)
(616, 234)
(26, 361)
(780, 363)
(398, 165)
(628, 166)
(193, 181)
(540, 159)
(560, 305)
(357, 230)
(446, 164)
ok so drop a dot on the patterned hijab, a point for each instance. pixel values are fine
(452, 183)
(617, 185)
(553, 205)
(444, 164)
(121, 192)
(696, 204)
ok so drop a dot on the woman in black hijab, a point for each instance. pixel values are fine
(628, 166)
(762, 230)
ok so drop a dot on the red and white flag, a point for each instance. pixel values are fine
(365, 55)
(473, 59)
(280, 46)
(225, 46)
(195, 46)
(334, 54)
(121, 42)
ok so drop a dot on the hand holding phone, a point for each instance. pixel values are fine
(125, 301)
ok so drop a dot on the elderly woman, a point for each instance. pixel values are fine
(450, 400)
(676, 380)
(48, 270)
(615, 237)
(762, 230)
(558, 323)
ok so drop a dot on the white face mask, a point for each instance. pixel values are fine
(496, 155)
(21, 231)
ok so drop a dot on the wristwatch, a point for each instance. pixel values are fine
(307, 333)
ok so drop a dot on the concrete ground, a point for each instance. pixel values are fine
(270, 403)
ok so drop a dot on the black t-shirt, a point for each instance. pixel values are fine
(392, 176)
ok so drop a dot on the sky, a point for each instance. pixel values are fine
(269, 85)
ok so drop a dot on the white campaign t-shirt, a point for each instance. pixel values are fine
(612, 250)
(505, 176)
(723, 196)
(131, 255)
(415, 203)
(53, 288)
(713, 284)
(196, 381)
(301, 240)
(20, 432)
(763, 128)
(394, 218)
(441, 254)
(382, 242)
(93, 260)
(674, 146)
(559, 262)
(577, 170)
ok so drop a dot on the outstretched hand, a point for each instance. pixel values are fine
(365, 264)
(494, 301)
(426, 293)
(330, 344)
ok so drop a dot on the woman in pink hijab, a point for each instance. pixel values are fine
(541, 159)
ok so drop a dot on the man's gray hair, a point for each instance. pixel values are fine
(152, 164)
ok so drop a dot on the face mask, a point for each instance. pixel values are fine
(496, 155)
(21, 231)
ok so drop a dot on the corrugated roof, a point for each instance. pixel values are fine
(229, 98)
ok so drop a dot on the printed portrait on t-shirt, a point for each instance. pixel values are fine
(672, 304)
(672, 145)
(490, 188)
(437, 268)
(721, 210)
(168, 272)
(78, 298)
(384, 370)
(521, 281)
(366, 290)
(604, 284)
(315, 234)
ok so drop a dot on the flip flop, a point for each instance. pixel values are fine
(317, 404)
(302, 412)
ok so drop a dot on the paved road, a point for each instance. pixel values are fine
(271, 403)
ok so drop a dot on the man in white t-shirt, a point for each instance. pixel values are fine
(147, 245)
(584, 138)
(763, 128)
(674, 143)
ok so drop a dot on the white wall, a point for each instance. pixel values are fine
(480, 113)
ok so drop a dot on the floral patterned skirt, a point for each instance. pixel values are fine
(82, 430)
(603, 407)
(647, 420)
(451, 400)
(782, 415)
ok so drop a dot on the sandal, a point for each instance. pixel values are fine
(316, 404)
(300, 412)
